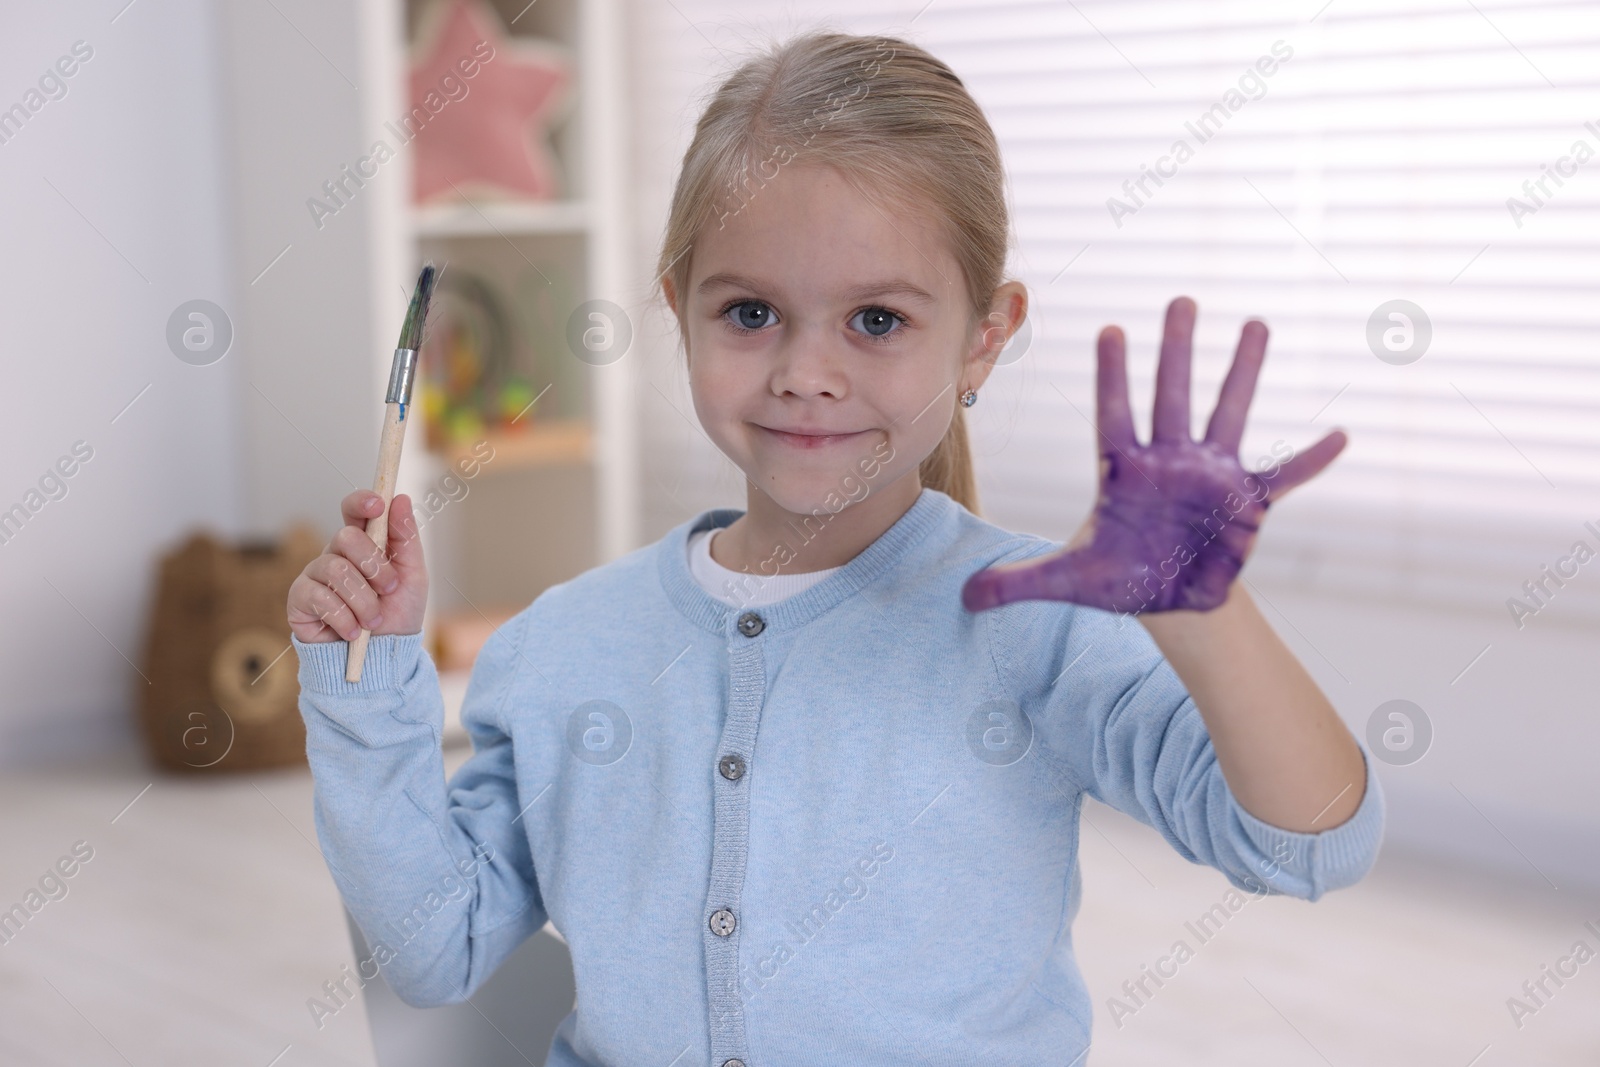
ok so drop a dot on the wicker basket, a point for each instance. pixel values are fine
(223, 687)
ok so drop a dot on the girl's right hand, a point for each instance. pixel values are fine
(352, 586)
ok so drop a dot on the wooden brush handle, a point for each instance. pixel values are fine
(394, 434)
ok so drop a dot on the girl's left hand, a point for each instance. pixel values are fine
(1176, 518)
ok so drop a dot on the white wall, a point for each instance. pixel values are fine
(134, 225)
(1509, 782)
(189, 142)
(308, 85)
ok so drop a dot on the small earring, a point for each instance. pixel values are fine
(969, 398)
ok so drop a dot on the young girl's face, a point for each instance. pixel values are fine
(828, 337)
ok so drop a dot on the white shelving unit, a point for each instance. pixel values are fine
(560, 496)
(440, 221)
(310, 86)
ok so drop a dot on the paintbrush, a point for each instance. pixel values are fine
(398, 399)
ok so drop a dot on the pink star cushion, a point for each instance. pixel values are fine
(482, 105)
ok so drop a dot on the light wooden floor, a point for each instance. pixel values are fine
(1411, 967)
(194, 936)
(206, 919)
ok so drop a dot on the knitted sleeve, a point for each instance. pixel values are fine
(1107, 709)
(436, 874)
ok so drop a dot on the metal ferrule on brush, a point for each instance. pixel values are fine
(401, 374)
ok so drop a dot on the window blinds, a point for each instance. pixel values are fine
(1322, 166)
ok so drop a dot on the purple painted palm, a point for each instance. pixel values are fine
(1176, 518)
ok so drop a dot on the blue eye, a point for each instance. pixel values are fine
(752, 316)
(877, 322)
(749, 314)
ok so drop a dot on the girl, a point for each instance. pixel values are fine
(800, 783)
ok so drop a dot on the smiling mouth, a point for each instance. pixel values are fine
(809, 440)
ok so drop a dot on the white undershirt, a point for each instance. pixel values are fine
(738, 588)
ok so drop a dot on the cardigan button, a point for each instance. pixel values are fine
(722, 922)
(751, 624)
(732, 1063)
(732, 767)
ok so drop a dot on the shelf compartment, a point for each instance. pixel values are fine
(553, 443)
(507, 218)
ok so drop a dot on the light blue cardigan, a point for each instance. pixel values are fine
(843, 830)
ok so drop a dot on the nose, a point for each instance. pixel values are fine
(808, 365)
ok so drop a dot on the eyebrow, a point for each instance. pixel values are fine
(891, 287)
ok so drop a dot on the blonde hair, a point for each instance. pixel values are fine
(884, 112)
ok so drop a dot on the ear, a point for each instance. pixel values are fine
(1007, 310)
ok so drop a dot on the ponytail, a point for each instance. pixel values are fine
(948, 467)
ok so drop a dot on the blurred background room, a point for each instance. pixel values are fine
(212, 214)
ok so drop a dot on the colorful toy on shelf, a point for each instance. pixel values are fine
(482, 106)
(464, 425)
(434, 405)
(544, 297)
(468, 389)
(516, 404)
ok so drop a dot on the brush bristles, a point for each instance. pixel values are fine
(417, 313)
